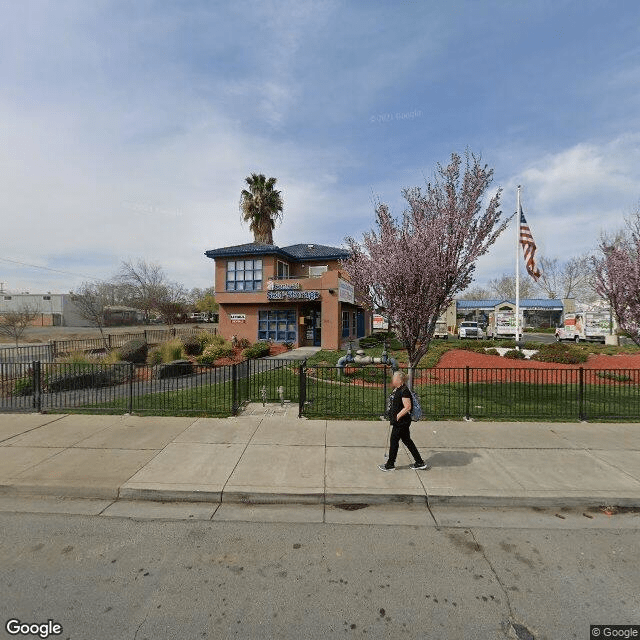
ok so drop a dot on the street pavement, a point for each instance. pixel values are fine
(268, 455)
(158, 577)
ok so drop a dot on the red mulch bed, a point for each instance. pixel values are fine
(491, 368)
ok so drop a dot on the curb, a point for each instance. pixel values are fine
(279, 497)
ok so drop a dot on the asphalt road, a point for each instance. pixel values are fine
(111, 578)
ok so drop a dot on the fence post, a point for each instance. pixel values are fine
(234, 389)
(37, 386)
(581, 415)
(109, 340)
(144, 331)
(131, 373)
(467, 389)
(173, 332)
(54, 351)
(302, 391)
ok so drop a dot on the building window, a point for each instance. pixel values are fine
(282, 270)
(244, 275)
(7, 297)
(345, 324)
(46, 297)
(316, 272)
(279, 326)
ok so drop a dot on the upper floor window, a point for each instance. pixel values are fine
(317, 271)
(282, 270)
(7, 297)
(46, 297)
(244, 275)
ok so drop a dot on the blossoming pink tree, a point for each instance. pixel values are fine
(617, 276)
(413, 267)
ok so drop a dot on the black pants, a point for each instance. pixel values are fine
(401, 432)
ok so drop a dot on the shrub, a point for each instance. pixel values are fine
(83, 377)
(514, 354)
(192, 345)
(171, 350)
(214, 352)
(243, 343)
(23, 387)
(288, 345)
(561, 353)
(77, 357)
(378, 339)
(134, 351)
(155, 356)
(492, 351)
(173, 369)
(258, 350)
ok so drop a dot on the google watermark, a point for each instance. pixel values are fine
(15, 627)
(614, 631)
(391, 117)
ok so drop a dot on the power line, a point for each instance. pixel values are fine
(37, 266)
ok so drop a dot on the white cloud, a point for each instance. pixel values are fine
(570, 198)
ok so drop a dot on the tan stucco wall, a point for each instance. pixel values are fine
(250, 302)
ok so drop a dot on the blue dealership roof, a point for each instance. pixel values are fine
(293, 253)
(525, 303)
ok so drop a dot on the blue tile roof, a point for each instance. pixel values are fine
(525, 303)
(293, 253)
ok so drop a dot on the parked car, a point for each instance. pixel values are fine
(468, 329)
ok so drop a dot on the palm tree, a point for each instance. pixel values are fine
(261, 205)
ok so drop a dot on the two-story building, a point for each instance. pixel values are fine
(295, 294)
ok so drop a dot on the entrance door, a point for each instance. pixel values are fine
(316, 326)
(360, 324)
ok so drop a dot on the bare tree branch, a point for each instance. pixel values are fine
(13, 323)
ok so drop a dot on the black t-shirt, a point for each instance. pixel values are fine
(396, 405)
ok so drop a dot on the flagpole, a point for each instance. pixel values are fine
(518, 265)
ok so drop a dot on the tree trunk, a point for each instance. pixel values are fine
(104, 339)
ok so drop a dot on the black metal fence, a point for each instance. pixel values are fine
(320, 391)
(172, 389)
(55, 348)
(481, 394)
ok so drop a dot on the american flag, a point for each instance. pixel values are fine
(529, 248)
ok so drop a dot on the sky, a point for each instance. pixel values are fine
(127, 128)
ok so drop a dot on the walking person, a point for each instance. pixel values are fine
(400, 417)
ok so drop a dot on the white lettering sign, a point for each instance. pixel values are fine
(238, 317)
(346, 292)
(289, 294)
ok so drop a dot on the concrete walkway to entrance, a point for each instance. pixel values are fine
(301, 353)
(268, 455)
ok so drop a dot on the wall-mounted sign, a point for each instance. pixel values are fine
(346, 292)
(289, 286)
(292, 294)
(238, 317)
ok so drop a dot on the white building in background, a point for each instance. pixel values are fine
(52, 309)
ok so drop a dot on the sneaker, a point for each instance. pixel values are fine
(420, 465)
(383, 467)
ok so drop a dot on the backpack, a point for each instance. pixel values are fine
(416, 407)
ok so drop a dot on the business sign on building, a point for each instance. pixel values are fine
(292, 294)
(289, 286)
(346, 292)
(380, 322)
(238, 317)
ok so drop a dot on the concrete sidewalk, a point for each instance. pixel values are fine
(271, 456)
